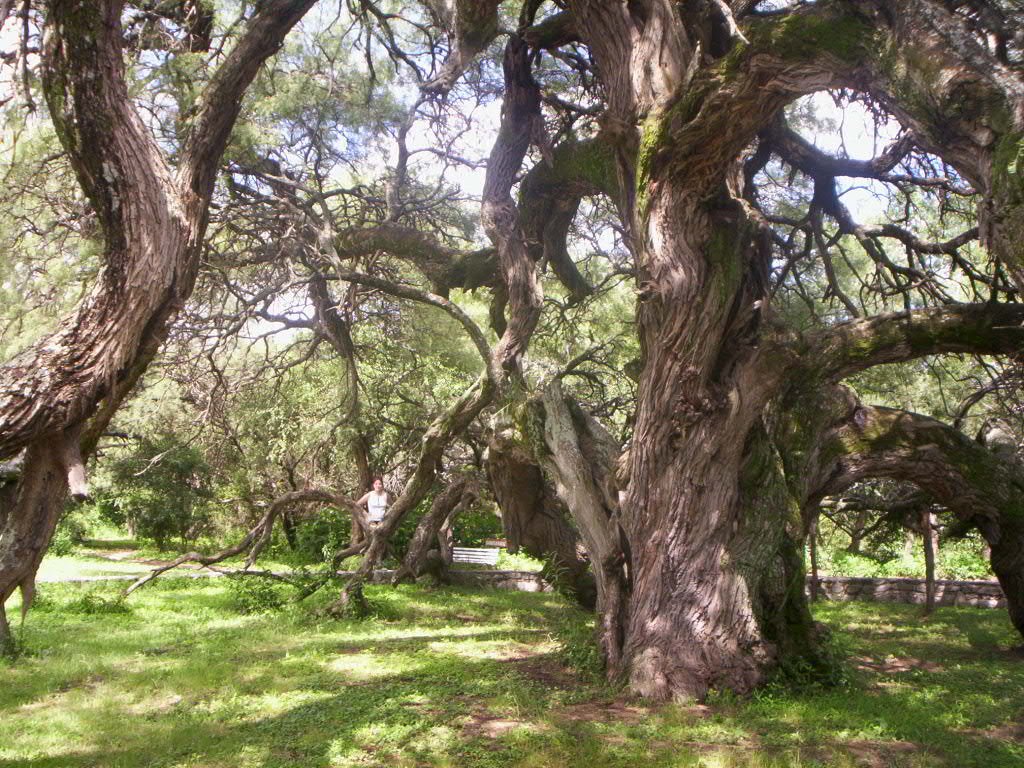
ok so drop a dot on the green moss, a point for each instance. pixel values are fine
(1008, 194)
(724, 254)
(655, 133)
(1008, 167)
(591, 161)
(800, 36)
(912, 76)
(652, 134)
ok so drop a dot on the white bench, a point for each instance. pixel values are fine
(474, 555)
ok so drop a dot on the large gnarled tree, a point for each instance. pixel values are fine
(57, 397)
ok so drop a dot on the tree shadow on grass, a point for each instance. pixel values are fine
(303, 700)
(413, 716)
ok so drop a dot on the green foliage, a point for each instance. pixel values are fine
(890, 555)
(78, 522)
(963, 559)
(829, 668)
(98, 602)
(62, 543)
(254, 594)
(577, 644)
(474, 526)
(520, 561)
(474, 679)
(318, 539)
(159, 489)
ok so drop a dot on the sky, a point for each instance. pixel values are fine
(862, 140)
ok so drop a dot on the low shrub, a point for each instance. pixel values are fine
(254, 594)
(96, 602)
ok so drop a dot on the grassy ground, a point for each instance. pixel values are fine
(117, 557)
(180, 677)
(114, 556)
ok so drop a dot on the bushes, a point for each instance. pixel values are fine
(964, 559)
(475, 525)
(255, 595)
(95, 602)
(318, 539)
(62, 543)
(577, 641)
(77, 524)
(957, 559)
(158, 491)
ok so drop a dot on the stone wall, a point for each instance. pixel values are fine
(521, 581)
(981, 594)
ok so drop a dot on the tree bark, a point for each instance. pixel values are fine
(815, 579)
(930, 536)
(583, 461)
(716, 593)
(29, 525)
(533, 517)
(153, 220)
(456, 496)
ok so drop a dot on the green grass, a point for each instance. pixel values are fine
(111, 557)
(472, 679)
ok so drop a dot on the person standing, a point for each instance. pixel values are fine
(376, 502)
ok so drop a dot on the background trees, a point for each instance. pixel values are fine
(414, 195)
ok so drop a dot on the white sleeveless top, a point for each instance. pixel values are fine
(376, 505)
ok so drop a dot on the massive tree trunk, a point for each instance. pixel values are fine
(153, 219)
(715, 571)
(693, 621)
(710, 506)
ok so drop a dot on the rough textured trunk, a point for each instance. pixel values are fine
(710, 510)
(446, 543)
(695, 618)
(583, 462)
(534, 519)
(38, 503)
(930, 536)
(152, 218)
(457, 495)
(290, 529)
(813, 542)
(709, 576)
(1007, 559)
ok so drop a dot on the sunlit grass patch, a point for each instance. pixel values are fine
(453, 677)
